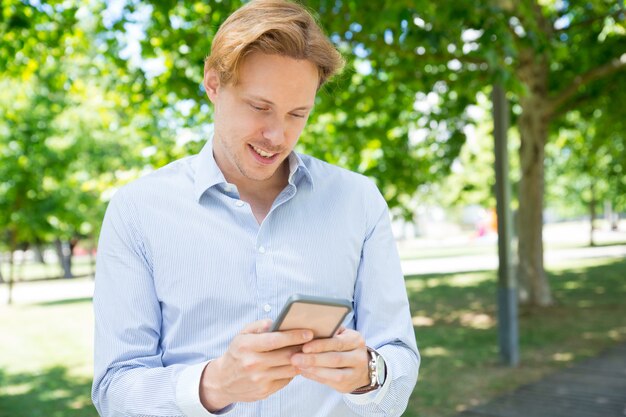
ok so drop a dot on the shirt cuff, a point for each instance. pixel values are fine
(375, 396)
(188, 393)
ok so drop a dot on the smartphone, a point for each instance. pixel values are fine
(323, 315)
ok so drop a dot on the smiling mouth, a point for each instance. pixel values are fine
(262, 153)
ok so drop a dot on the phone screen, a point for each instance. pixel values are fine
(322, 315)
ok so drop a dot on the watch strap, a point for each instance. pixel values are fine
(372, 368)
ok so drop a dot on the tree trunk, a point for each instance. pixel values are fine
(533, 126)
(615, 222)
(11, 279)
(64, 254)
(11, 274)
(92, 257)
(38, 251)
(592, 214)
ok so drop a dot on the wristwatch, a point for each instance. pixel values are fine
(377, 372)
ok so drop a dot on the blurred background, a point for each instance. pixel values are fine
(94, 94)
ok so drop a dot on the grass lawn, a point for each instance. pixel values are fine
(454, 317)
(45, 360)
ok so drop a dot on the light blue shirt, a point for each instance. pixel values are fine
(183, 266)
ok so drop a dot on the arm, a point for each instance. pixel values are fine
(383, 319)
(130, 378)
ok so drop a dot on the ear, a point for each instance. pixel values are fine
(211, 84)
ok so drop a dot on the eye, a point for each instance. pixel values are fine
(299, 116)
(258, 108)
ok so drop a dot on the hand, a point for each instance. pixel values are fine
(255, 365)
(340, 362)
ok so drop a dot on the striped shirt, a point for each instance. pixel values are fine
(183, 266)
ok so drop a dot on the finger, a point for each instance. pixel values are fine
(328, 360)
(339, 379)
(347, 340)
(270, 341)
(279, 357)
(280, 383)
(282, 372)
(256, 327)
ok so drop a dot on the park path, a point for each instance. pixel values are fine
(595, 387)
(489, 261)
(77, 288)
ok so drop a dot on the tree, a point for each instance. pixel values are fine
(416, 66)
(66, 135)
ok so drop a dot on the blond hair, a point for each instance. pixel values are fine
(274, 27)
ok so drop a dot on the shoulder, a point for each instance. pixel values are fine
(328, 175)
(351, 188)
(170, 180)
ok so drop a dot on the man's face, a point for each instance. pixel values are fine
(259, 120)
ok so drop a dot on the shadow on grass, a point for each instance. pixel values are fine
(49, 393)
(456, 330)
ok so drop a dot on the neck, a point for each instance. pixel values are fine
(266, 189)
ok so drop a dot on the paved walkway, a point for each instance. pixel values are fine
(489, 262)
(595, 387)
(64, 289)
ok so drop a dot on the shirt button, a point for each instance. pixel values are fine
(267, 308)
(239, 203)
(261, 249)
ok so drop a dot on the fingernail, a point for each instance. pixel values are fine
(306, 335)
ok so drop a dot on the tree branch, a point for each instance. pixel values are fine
(589, 22)
(572, 104)
(616, 64)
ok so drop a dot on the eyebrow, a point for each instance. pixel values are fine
(266, 101)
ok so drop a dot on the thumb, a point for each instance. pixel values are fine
(260, 326)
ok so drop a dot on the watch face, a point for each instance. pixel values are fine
(381, 370)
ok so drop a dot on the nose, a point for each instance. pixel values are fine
(275, 130)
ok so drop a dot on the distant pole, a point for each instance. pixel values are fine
(507, 283)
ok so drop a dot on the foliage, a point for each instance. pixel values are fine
(399, 113)
(585, 165)
(65, 138)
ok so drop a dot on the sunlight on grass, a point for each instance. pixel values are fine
(468, 280)
(56, 394)
(572, 285)
(453, 280)
(477, 320)
(422, 321)
(616, 334)
(15, 389)
(434, 351)
(563, 357)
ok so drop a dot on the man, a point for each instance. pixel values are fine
(196, 259)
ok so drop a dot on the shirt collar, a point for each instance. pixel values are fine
(298, 170)
(208, 174)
